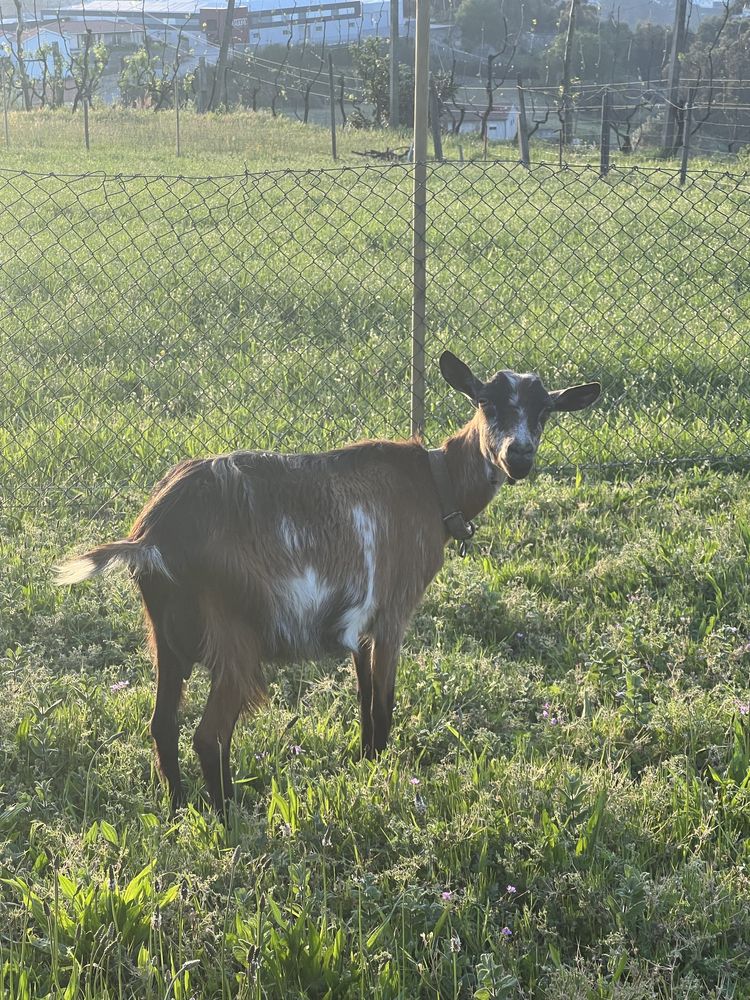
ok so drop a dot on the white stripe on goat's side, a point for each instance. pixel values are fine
(300, 601)
(294, 538)
(356, 618)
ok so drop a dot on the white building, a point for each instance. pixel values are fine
(34, 41)
(256, 23)
(502, 123)
(68, 37)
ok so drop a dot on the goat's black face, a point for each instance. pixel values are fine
(513, 409)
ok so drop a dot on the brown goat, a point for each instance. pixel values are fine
(255, 557)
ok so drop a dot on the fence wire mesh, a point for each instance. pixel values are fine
(145, 319)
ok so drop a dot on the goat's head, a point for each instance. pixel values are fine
(512, 410)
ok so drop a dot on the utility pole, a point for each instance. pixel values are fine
(419, 217)
(567, 104)
(221, 63)
(673, 87)
(394, 110)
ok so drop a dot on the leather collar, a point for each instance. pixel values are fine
(455, 523)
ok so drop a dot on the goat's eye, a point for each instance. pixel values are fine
(489, 409)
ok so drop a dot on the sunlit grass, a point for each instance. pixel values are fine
(563, 810)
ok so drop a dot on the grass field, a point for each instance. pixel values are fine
(563, 811)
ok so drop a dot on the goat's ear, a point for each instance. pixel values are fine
(459, 376)
(576, 397)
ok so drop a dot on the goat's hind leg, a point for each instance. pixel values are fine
(232, 656)
(363, 665)
(172, 624)
(164, 723)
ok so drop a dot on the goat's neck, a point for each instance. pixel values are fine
(475, 480)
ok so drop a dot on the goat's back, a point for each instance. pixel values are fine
(312, 548)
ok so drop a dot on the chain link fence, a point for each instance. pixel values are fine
(145, 319)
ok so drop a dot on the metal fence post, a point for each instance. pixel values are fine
(419, 217)
(673, 86)
(393, 67)
(177, 114)
(604, 140)
(435, 121)
(332, 98)
(686, 135)
(5, 104)
(86, 123)
(523, 127)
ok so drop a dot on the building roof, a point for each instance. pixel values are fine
(61, 29)
(99, 26)
(105, 8)
(170, 8)
(30, 35)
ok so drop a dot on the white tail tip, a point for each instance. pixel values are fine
(74, 571)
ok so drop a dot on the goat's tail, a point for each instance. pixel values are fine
(135, 555)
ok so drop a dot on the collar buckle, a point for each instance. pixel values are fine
(455, 523)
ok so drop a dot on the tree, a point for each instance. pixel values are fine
(597, 56)
(148, 76)
(718, 60)
(487, 21)
(23, 75)
(221, 66)
(49, 88)
(649, 51)
(371, 60)
(87, 67)
(8, 77)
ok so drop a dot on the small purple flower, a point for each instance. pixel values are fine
(553, 721)
(511, 889)
(743, 707)
(414, 781)
(295, 750)
(520, 636)
(446, 896)
(545, 714)
(506, 932)
(119, 686)
(262, 755)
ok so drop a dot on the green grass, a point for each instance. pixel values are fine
(144, 320)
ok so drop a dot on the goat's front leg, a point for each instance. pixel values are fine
(386, 649)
